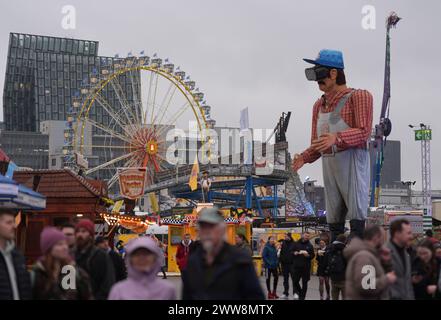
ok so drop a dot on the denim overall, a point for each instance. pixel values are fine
(346, 176)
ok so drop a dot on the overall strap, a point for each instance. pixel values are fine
(342, 102)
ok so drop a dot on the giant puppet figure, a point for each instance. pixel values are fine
(341, 129)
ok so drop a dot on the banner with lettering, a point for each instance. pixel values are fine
(131, 183)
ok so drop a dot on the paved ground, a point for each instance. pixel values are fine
(312, 294)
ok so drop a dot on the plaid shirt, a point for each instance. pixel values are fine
(357, 113)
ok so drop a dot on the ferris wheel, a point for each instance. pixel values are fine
(121, 116)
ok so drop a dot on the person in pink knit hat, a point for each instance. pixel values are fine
(52, 274)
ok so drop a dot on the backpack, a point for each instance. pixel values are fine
(336, 263)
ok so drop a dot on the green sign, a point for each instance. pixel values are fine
(423, 134)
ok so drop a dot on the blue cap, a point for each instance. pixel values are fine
(328, 58)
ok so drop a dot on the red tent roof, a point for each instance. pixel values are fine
(3, 156)
(62, 183)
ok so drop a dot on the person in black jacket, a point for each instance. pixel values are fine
(217, 270)
(321, 270)
(15, 282)
(336, 266)
(425, 271)
(303, 253)
(118, 262)
(286, 260)
(94, 261)
(194, 245)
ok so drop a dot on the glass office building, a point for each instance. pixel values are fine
(44, 73)
(26, 149)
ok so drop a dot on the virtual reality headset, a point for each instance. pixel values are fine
(317, 73)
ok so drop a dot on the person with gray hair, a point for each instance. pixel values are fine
(217, 270)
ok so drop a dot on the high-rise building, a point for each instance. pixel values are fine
(26, 149)
(43, 74)
(391, 171)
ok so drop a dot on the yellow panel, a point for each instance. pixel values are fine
(193, 232)
(174, 232)
(125, 238)
(296, 236)
(231, 234)
(257, 260)
(172, 264)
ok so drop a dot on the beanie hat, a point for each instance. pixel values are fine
(49, 237)
(86, 224)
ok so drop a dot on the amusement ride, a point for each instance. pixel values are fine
(120, 120)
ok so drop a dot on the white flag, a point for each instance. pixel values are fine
(244, 121)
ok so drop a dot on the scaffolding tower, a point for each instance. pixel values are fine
(426, 176)
(424, 134)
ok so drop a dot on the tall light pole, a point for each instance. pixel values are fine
(424, 134)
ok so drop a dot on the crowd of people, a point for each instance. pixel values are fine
(77, 265)
(216, 270)
(294, 258)
(358, 269)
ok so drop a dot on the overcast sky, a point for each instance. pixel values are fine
(249, 54)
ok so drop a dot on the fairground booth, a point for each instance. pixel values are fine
(19, 199)
(176, 227)
(179, 226)
(67, 196)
